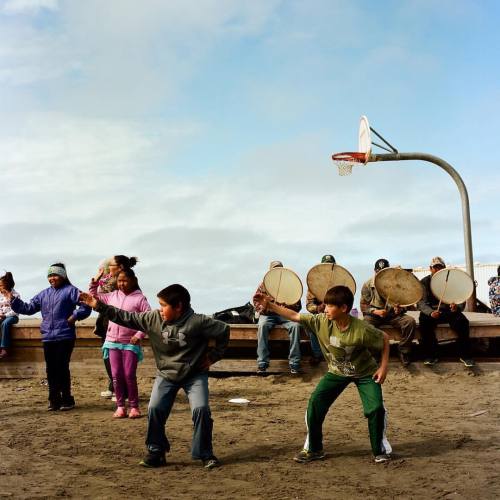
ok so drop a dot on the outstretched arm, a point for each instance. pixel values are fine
(263, 303)
(136, 321)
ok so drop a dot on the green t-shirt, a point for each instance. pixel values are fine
(350, 353)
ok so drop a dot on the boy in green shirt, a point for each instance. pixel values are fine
(349, 346)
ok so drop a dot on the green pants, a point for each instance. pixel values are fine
(330, 387)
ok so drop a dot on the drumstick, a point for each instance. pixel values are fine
(330, 279)
(279, 286)
(444, 291)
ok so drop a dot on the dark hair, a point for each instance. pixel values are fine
(174, 295)
(126, 262)
(498, 271)
(66, 280)
(131, 275)
(339, 296)
(8, 280)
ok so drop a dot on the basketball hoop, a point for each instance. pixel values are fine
(345, 161)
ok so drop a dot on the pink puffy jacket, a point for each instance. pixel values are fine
(133, 302)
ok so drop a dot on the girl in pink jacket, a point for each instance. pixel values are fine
(122, 345)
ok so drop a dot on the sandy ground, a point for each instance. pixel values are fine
(443, 447)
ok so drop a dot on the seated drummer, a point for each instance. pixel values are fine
(377, 314)
(430, 317)
(315, 306)
(268, 320)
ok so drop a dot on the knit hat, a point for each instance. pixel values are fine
(275, 263)
(381, 264)
(437, 261)
(60, 271)
(328, 259)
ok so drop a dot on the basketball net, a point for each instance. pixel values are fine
(345, 161)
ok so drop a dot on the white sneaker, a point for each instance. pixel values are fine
(106, 394)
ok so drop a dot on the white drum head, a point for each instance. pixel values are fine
(322, 277)
(452, 286)
(398, 287)
(283, 285)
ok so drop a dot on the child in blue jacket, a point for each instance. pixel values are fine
(60, 310)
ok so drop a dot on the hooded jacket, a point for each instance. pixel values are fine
(56, 306)
(133, 302)
(180, 346)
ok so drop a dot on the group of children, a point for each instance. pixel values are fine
(180, 338)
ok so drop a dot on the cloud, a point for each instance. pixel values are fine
(28, 6)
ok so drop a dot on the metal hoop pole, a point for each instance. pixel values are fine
(471, 303)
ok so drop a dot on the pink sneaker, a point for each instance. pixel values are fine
(134, 413)
(120, 412)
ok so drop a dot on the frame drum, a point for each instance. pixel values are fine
(283, 285)
(398, 287)
(322, 277)
(452, 286)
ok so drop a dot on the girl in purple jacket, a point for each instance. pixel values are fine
(60, 310)
(122, 344)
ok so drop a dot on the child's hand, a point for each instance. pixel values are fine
(71, 321)
(99, 274)
(380, 375)
(135, 340)
(86, 298)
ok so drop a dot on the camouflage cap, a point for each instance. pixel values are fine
(328, 259)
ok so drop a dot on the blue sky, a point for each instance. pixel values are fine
(197, 135)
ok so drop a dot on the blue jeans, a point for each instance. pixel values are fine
(5, 330)
(266, 323)
(315, 348)
(161, 402)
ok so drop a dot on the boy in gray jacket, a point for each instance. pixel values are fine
(179, 339)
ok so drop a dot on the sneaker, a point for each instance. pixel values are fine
(261, 370)
(107, 394)
(379, 459)
(211, 463)
(68, 404)
(120, 412)
(404, 357)
(153, 460)
(468, 362)
(294, 371)
(134, 413)
(53, 407)
(430, 361)
(305, 456)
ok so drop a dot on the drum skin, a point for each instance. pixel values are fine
(322, 277)
(452, 286)
(283, 285)
(398, 287)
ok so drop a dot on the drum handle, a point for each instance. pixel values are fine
(444, 291)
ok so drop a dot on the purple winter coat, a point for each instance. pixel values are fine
(56, 305)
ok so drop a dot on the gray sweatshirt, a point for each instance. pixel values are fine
(179, 347)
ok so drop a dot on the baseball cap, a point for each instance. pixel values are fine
(275, 263)
(381, 264)
(328, 259)
(437, 261)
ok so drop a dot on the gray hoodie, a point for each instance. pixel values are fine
(179, 347)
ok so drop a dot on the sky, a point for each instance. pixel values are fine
(197, 135)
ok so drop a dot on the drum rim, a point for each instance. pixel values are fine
(291, 271)
(323, 264)
(452, 269)
(415, 279)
